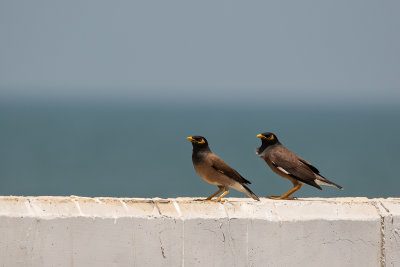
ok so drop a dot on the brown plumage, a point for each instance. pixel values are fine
(290, 166)
(214, 170)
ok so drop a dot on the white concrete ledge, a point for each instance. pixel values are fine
(78, 231)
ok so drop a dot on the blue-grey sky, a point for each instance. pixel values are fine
(252, 51)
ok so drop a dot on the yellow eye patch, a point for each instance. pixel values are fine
(271, 137)
(191, 139)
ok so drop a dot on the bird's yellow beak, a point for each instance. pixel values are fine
(260, 136)
(191, 139)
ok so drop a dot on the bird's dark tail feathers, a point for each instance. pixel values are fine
(250, 193)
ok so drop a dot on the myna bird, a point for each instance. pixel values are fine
(214, 170)
(290, 166)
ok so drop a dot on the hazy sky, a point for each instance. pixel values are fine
(253, 51)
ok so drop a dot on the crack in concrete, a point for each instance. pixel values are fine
(349, 240)
(396, 234)
(162, 249)
(382, 231)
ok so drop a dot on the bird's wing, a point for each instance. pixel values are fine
(315, 170)
(219, 165)
(294, 166)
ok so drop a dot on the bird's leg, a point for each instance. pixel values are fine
(221, 188)
(288, 193)
(222, 195)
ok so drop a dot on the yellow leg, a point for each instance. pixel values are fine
(288, 193)
(222, 195)
(216, 193)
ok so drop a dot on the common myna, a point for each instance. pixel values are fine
(214, 170)
(290, 166)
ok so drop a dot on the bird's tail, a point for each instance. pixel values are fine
(244, 189)
(321, 180)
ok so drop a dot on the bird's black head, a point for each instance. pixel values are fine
(267, 139)
(198, 142)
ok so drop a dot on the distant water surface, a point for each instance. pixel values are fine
(132, 151)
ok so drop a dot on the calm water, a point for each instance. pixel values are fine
(128, 151)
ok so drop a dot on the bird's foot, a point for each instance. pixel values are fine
(281, 198)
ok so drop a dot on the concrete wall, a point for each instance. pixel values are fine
(75, 231)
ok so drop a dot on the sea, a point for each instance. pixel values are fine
(140, 149)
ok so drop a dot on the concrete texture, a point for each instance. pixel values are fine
(78, 231)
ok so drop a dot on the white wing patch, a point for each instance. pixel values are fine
(280, 168)
(283, 170)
